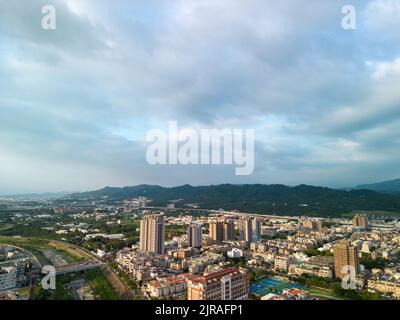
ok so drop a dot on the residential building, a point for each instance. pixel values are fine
(184, 253)
(199, 263)
(345, 254)
(194, 235)
(174, 287)
(282, 263)
(246, 229)
(142, 202)
(289, 294)
(256, 229)
(360, 221)
(8, 278)
(221, 230)
(225, 284)
(152, 234)
(318, 265)
(228, 230)
(250, 229)
(384, 286)
(312, 224)
(235, 253)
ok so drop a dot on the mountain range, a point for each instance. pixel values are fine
(257, 198)
(391, 186)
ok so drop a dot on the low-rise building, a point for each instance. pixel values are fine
(169, 288)
(225, 284)
(8, 278)
(289, 294)
(198, 264)
(385, 286)
(235, 253)
(282, 263)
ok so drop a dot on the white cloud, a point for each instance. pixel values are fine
(112, 71)
(383, 16)
(387, 70)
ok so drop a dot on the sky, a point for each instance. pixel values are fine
(76, 102)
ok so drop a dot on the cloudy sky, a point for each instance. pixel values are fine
(77, 102)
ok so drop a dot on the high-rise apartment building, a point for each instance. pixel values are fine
(256, 229)
(225, 284)
(221, 229)
(228, 230)
(245, 229)
(345, 254)
(152, 234)
(194, 235)
(360, 221)
(249, 229)
(312, 224)
(215, 230)
(142, 202)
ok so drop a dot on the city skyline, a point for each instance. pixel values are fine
(199, 158)
(79, 100)
(105, 248)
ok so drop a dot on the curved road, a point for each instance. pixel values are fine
(30, 254)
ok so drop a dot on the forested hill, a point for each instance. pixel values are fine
(392, 186)
(268, 199)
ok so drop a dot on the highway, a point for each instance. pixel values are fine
(208, 211)
(255, 215)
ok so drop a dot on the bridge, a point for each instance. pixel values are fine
(72, 268)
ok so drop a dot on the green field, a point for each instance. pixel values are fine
(323, 294)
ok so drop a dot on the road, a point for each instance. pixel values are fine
(208, 211)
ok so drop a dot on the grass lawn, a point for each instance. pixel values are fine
(322, 293)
